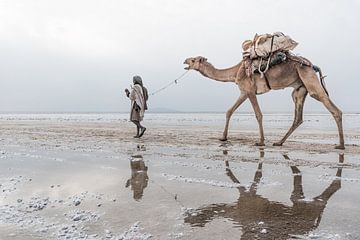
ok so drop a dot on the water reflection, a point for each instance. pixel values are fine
(139, 178)
(261, 218)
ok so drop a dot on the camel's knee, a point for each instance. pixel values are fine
(335, 111)
(298, 121)
(338, 114)
(229, 113)
(259, 116)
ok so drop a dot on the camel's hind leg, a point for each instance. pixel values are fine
(298, 96)
(230, 112)
(337, 114)
(312, 84)
(335, 184)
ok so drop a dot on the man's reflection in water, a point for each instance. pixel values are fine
(261, 218)
(139, 178)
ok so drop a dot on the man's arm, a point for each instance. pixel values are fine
(127, 92)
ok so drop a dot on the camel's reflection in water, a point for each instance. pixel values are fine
(254, 213)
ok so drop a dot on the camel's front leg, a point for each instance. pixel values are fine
(231, 175)
(297, 193)
(257, 178)
(230, 112)
(259, 117)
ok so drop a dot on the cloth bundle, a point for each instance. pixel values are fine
(265, 44)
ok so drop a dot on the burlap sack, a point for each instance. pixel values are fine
(261, 46)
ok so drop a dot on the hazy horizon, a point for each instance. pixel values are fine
(170, 111)
(79, 56)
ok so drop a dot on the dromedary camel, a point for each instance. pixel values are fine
(290, 73)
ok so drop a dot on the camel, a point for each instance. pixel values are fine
(282, 221)
(289, 73)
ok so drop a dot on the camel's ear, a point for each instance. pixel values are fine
(246, 44)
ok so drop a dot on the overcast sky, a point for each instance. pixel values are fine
(79, 55)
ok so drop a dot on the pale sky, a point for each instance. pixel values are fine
(79, 55)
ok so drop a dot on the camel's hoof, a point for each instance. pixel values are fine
(259, 144)
(277, 144)
(342, 147)
(223, 139)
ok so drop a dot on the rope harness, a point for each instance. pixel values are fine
(169, 84)
(262, 73)
(172, 195)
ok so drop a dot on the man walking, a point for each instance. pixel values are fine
(138, 97)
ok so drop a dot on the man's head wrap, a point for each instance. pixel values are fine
(137, 80)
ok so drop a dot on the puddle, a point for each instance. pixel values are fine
(107, 195)
(83, 181)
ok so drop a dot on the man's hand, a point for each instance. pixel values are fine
(127, 92)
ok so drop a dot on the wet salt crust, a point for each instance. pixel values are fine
(85, 177)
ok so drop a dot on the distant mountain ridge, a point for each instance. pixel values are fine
(163, 110)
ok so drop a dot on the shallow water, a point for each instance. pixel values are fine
(174, 197)
(83, 176)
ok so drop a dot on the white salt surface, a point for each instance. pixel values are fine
(134, 233)
(200, 180)
(320, 121)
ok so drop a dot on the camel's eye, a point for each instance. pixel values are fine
(193, 60)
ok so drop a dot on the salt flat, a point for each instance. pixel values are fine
(83, 176)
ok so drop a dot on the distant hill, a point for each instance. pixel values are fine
(163, 110)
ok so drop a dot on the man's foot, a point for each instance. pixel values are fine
(142, 132)
(341, 146)
(260, 144)
(137, 136)
(277, 144)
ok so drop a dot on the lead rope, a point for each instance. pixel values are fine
(169, 84)
(173, 196)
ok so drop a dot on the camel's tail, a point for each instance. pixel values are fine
(317, 69)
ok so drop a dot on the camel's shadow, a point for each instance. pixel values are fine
(261, 218)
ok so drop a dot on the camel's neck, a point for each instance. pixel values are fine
(223, 75)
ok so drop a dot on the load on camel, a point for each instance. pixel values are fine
(268, 65)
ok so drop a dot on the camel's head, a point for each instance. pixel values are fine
(195, 63)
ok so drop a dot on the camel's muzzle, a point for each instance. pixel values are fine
(187, 67)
